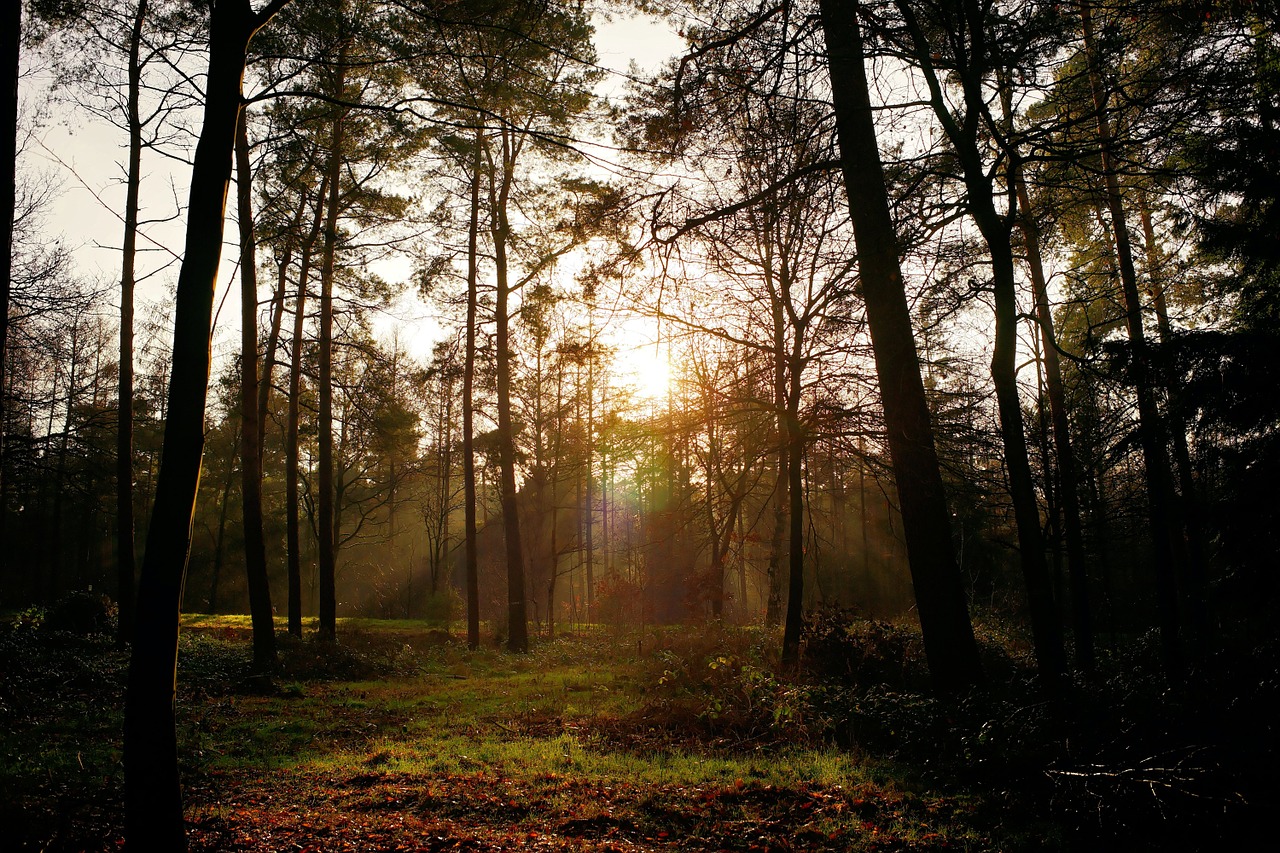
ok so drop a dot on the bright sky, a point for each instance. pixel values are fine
(85, 156)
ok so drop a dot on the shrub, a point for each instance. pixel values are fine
(837, 644)
(83, 614)
(443, 606)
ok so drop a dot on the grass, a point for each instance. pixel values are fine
(399, 738)
(433, 746)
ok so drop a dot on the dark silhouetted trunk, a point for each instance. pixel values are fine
(326, 522)
(277, 314)
(773, 606)
(219, 543)
(589, 508)
(1045, 628)
(963, 132)
(1189, 508)
(153, 796)
(1068, 469)
(255, 546)
(126, 568)
(293, 537)
(468, 410)
(8, 200)
(944, 619)
(517, 622)
(1169, 549)
(793, 621)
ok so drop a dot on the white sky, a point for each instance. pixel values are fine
(85, 156)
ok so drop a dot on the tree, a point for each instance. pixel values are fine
(1170, 549)
(963, 44)
(8, 202)
(255, 549)
(153, 798)
(944, 620)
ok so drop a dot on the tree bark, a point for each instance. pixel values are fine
(793, 621)
(326, 527)
(517, 622)
(963, 133)
(126, 567)
(468, 409)
(8, 200)
(1068, 468)
(1169, 550)
(781, 501)
(277, 315)
(1189, 507)
(153, 796)
(293, 538)
(215, 576)
(944, 619)
(255, 546)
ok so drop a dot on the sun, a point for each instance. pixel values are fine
(648, 370)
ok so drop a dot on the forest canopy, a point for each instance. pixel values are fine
(932, 312)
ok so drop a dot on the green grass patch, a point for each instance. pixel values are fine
(399, 737)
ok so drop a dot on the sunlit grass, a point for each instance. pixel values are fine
(567, 736)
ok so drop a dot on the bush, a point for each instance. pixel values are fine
(83, 614)
(724, 680)
(442, 607)
(837, 644)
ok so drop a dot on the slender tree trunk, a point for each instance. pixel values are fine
(468, 408)
(1045, 628)
(963, 133)
(153, 797)
(1068, 469)
(589, 505)
(517, 623)
(293, 538)
(56, 552)
(794, 618)
(277, 316)
(557, 453)
(255, 546)
(1189, 504)
(1169, 550)
(215, 576)
(126, 568)
(944, 619)
(326, 526)
(8, 200)
(781, 501)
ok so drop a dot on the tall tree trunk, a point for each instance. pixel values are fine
(255, 546)
(517, 622)
(215, 576)
(963, 133)
(153, 797)
(126, 567)
(293, 538)
(1045, 627)
(1189, 510)
(944, 619)
(56, 553)
(277, 314)
(589, 505)
(1068, 469)
(468, 408)
(8, 201)
(1169, 549)
(793, 620)
(326, 526)
(781, 501)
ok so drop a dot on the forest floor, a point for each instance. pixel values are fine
(398, 738)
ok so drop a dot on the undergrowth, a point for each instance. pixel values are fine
(675, 737)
